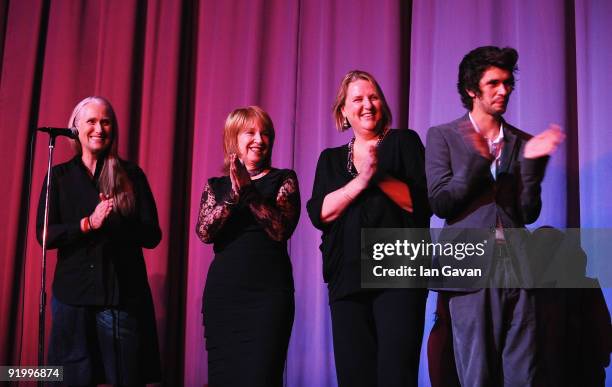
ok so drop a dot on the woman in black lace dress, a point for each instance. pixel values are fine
(248, 215)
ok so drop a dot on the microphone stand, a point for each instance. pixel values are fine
(43, 292)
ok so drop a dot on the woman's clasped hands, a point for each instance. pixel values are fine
(239, 177)
(102, 211)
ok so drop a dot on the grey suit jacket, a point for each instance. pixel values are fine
(462, 191)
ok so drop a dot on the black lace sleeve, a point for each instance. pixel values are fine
(278, 218)
(212, 215)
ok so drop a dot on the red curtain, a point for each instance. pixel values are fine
(138, 55)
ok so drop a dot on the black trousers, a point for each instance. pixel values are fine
(377, 337)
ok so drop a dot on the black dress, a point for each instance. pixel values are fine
(377, 332)
(248, 303)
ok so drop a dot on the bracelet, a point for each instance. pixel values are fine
(91, 227)
(232, 199)
(85, 225)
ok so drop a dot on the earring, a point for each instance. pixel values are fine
(346, 124)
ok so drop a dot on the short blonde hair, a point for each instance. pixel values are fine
(349, 78)
(238, 120)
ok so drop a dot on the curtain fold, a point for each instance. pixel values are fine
(19, 101)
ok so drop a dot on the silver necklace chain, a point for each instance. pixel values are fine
(350, 166)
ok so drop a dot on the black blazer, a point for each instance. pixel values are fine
(462, 191)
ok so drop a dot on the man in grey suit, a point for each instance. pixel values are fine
(485, 174)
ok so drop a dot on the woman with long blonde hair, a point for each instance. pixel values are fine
(101, 214)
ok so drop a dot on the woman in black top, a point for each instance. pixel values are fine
(101, 214)
(376, 180)
(248, 301)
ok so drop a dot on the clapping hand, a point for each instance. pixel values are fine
(480, 144)
(477, 140)
(368, 165)
(545, 143)
(102, 211)
(239, 175)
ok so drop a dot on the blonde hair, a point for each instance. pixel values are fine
(113, 180)
(349, 78)
(238, 120)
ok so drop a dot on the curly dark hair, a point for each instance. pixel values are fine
(476, 62)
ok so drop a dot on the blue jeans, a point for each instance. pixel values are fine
(95, 344)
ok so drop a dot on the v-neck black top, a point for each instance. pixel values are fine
(401, 154)
(105, 266)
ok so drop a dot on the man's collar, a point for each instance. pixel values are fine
(500, 135)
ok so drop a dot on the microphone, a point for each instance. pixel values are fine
(72, 133)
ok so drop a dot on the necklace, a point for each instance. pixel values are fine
(255, 172)
(350, 167)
